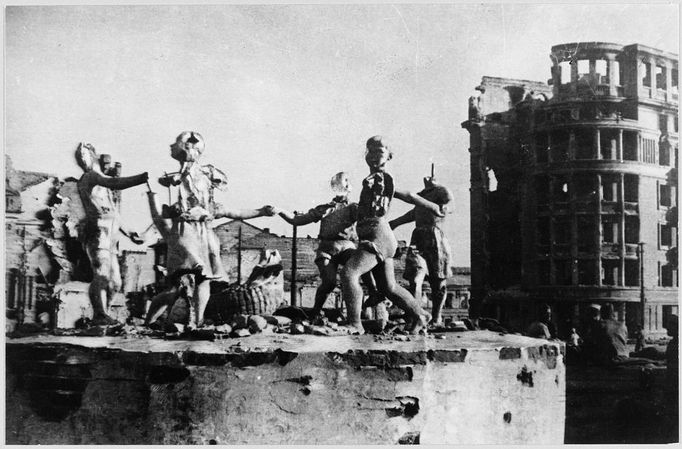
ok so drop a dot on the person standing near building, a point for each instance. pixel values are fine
(543, 327)
(100, 232)
(612, 341)
(429, 239)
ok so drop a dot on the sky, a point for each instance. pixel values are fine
(284, 95)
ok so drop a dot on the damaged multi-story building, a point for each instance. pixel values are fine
(574, 188)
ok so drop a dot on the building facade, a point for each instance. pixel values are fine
(574, 188)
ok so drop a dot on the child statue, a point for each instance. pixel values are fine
(377, 244)
(337, 237)
(429, 239)
(193, 247)
(101, 231)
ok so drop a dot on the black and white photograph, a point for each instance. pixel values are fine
(447, 223)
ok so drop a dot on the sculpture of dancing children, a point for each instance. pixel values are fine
(337, 236)
(101, 232)
(377, 244)
(193, 248)
(430, 240)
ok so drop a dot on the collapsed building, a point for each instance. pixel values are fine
(574, 188)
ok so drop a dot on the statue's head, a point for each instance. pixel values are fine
(86, 156)
(340, 184)
(188, 147)
(430, 181)
(377, 153)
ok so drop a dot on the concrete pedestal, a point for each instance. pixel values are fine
(469, 388)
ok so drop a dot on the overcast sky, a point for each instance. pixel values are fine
(285, 95)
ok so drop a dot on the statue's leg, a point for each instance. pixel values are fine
(416, 285)
(115, 282)
(438, 290)
(359, 263)
(327, 283)
(387, 284)
(100, 259)
(159, 305)
(202, 292)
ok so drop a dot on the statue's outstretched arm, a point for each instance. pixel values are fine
(122, 182)
(417, 200)
(160, 223)
(404, 219)
(244, 214)
(300, 219)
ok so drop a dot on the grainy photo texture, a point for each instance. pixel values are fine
(345, 224)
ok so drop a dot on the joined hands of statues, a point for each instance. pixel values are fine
(170, 180)
(135, 238)
(269, 211)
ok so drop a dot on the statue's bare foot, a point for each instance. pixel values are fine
(104, 320)
(436, 324)
(420, 323)
(436, 321)
(354, 329)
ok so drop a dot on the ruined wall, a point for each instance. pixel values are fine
(477, 388)
(498, 119)
(137, 270)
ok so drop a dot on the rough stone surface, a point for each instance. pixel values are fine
(74, 304)
(257, 323)
(285, 389)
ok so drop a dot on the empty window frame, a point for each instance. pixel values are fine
(610, 228)
(601, 71)
(668, 276)
(631, 229)
(664, 153)
(673, 80)
(583, 67)
(609, 271)
(565, 68)
(584, 144)
(660, 78)
(663, 123)
(630, 145)
(609, 188)
(608, 143)
(667, 236)
(631, 188)
(667, 195)
(646, 74)
(631, 272)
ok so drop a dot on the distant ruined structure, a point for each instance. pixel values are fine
(574, 188)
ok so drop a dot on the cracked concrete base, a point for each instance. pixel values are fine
(472, 387)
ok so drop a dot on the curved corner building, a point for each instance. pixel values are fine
(574, 188)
